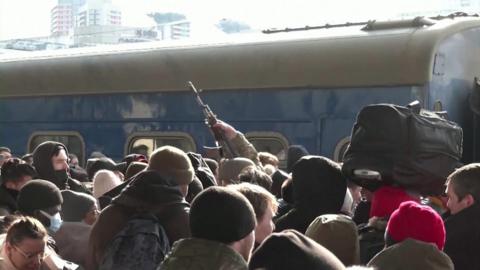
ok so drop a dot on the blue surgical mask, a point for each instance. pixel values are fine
(55, 221)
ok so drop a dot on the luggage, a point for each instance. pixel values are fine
(404, 146)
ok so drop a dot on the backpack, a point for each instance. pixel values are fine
(403, 146)
(141, 244)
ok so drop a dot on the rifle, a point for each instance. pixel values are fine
(210, 121)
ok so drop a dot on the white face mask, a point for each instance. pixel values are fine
(55, 221)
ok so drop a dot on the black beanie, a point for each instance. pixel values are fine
(293, 250)
(221, 214)
(76, 205)
(38, 194)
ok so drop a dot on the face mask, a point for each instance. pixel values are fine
(55, 221)
(61, 176)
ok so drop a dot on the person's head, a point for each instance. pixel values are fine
(16, 173)
(294, 154)
(416, 221)
(25, 243)
(172, 162)
(28, 158)
(387, 199)
(463, 188)
(5, 153)
(318, 185)
(50, 159)
(229, 170)
(135, 167)
(104, 181)
(96, 164)
(73, 159)
(292, 250)
(337, 233)
(224, 215)
(79, 207)
(268, 158)
(255, 176)
(42, 200)
(287, 191)
(213, 165)
(265, 206)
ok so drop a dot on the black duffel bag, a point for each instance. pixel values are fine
(403, 146)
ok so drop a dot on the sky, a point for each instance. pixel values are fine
(31, 18)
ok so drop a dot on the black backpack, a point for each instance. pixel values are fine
(403, 146)
(142, 244)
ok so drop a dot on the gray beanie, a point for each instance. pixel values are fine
(76, 205)
(221, 214)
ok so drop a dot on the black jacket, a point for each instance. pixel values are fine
(8, 201)
(463, 238)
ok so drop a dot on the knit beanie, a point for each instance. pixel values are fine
(172, 162)
(292, 250)
(419, 222)
(135, 167)
(386, 199)
(76, 205)
(38, 194)
(337, 233)
(229, 169)
(104, 181)
(221, 214)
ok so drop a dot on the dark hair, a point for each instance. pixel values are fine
(14, 168)
(466, 180)
(25, 227)
(255, 176)
(57, 150)
(5, 149)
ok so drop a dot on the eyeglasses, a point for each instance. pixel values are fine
(39, 256)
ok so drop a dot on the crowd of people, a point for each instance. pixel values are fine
(177, 210)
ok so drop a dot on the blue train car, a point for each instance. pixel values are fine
(279, 89)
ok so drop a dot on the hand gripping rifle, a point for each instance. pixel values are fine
(210, 121)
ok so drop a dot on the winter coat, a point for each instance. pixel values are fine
(42, 161)
(8, 201)
(147, 192)
(318, 188)
(463, 238)
(412, 255)
(72, 241)
(194, 253)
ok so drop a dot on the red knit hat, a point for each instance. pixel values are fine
(416, 221)
(386, 199)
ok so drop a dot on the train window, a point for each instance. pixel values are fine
(71, 139)
(340, 149)
(145, 142)
(272, 142)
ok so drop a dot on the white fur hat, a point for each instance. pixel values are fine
(104, 181)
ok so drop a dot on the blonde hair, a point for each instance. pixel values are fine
(260, 198)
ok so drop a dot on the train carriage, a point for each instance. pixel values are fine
(301, 87)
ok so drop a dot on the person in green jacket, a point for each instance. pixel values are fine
(222, 223)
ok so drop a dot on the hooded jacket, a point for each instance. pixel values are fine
(42, 161)
(413, 255)
(318, 188)
(195, 253)
(463, 238)
(147, 191)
